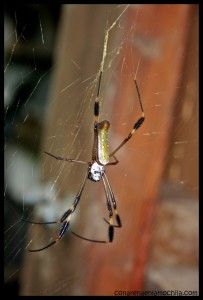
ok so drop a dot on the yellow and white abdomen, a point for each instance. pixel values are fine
(103, 142)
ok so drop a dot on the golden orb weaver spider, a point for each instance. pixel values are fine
(96, 172)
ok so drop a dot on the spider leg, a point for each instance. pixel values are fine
(92, 240)
(96, 103)
(86, 239)
(113, 201)
(108, 202)
(116, 226)
(38, 223)
(115, 162)
(63, 229)
(67, 215)
(118, 219)
(65, 219)
(47, 246)
(67, 159)
(136, 126)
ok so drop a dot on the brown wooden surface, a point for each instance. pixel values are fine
(154, 37)
(183, 153)
(173, 262)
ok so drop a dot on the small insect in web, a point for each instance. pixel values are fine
(96, 171)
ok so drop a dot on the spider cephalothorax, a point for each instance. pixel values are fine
(96, 171)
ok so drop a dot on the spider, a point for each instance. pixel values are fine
(101, 158)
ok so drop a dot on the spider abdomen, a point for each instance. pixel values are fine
(103, 142)
(96, 172)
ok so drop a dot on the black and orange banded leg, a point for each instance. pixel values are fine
(96, 103)
(63, 229)
(110, 210)
(113, 200)
(136, 126)
(65, 219)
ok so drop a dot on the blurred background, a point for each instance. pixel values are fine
(52, 58)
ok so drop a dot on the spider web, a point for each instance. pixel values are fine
(37, 187)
